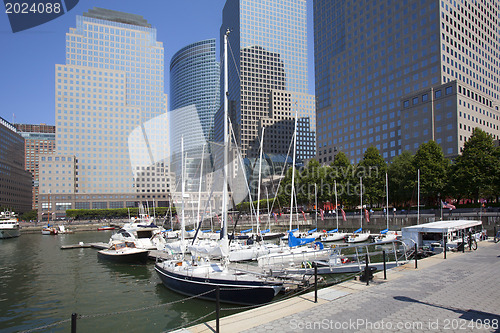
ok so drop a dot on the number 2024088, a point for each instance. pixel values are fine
(35, 8)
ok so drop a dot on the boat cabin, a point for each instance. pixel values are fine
(434, 232)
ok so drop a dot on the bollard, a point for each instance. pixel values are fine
(470, 240)
(416, 253)
(367, 269)
(494, 234)
(385, 268)
(217, 308)
(444, 240)
(315, 282)
(73, 322)
(463, 242)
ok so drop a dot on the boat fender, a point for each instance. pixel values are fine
(344, 260)
(306, 264)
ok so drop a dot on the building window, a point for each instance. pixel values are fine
(438, 93)
(406, 104)
(448, 90)
(425, 97)
(415, 100)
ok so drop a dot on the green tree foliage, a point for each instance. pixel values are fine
(310, 181)
(372, 169)
(433, 166)
(31, 215)
(340, 171)
(402, 178)
(475, 173)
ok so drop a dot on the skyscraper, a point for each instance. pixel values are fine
(38, 139)
(15, 181)
(111, 113)
(194, 81)
(395, 74)
(268, 57)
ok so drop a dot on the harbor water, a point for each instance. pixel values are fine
(42, 285)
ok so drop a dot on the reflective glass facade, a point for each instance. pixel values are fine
(194, 81)
(372, 57)
(268, 51)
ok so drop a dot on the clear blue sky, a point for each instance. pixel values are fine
(28, 58)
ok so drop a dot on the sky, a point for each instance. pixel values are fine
(28, 58)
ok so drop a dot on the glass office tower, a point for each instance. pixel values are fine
(111, 111)
(268, 52)
(396, 74)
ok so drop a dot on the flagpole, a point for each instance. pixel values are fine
(316, 203)
(387, 199)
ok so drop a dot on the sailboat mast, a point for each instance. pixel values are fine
(225, 198)
(260, 178)
(316, 203)
(418, 196)
(361, 197)
(199, 188)
(293, 169)
(336, 205)
(387, 199)
(183, 222)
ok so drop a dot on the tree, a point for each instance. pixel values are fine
(475, 172)
(310, 176)
(372, 169)
(402, 178)
(429, 158)
(340, 171)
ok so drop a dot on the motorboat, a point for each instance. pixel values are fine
(385, 236)
(146, 237)
(9, 225)
(124, 252)
(104, 228)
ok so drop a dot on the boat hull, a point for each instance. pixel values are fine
(231, 291)
(9, 233)
(139, 257)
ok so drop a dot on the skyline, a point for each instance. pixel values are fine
(28, 84)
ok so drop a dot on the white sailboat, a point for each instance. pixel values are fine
(386, 235)
(203, 277)
(358, 235)
(335, 234)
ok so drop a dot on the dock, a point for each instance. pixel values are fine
(440, 295)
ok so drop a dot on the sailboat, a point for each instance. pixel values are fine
(334, 235)
(202, 278)
(358, 235)
(386, 235)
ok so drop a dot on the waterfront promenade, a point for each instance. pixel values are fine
(457, 294)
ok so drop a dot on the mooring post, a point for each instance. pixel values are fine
(217, 308)
(494, 234)
(315, 282)
(73, 322)
(416, 254)
(445, 240)
(385, 268)
(470, 240)
(463, 242)
(367, 277)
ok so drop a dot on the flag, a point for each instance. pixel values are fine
(343, 214)
(367, 215)
(218, 219)
(322, 214)
(447, 205)
(304, 215)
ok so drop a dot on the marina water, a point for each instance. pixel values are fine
(40, 284)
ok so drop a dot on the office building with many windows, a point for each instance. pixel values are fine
(267, 72)
(15, 181)
(38, 139)
(395, 74)
(110, 113)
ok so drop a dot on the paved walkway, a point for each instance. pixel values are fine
(459, 294)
